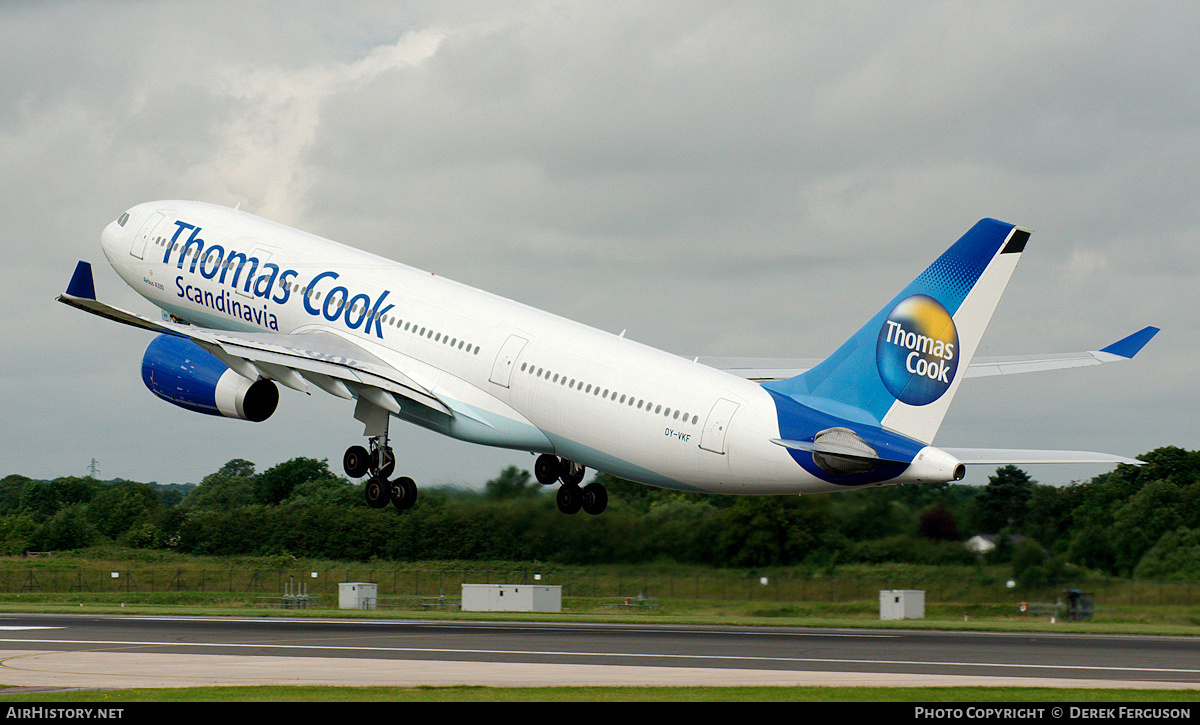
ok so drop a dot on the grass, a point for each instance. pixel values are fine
(1174, 620)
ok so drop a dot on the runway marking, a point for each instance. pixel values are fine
(632, 655)
(15, 627)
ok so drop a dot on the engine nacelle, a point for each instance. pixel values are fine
(935, 465)
(181, 372)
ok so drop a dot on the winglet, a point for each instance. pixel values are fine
(1132, 345)
(81, 282)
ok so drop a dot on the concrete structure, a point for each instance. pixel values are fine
(511, 598)
(901, 604)
(358, 595)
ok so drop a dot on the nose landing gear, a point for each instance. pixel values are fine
(592, 498)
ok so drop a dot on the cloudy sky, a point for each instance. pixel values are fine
(717, 178)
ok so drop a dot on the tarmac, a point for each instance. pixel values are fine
(47, 671)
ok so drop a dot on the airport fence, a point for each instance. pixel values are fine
(713, 585)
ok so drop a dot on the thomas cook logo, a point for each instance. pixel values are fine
(917, 351)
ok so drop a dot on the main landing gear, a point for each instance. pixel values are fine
(592, 498)
(379, 463)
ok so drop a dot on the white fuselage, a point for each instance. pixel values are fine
(524, 378)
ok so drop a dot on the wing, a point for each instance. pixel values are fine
(1019, 457)
(334, 364)
(763, 370)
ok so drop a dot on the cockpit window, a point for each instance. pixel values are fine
(122, 219)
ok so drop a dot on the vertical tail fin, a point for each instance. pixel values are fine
(902, 368)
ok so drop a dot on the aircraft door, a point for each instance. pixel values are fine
(139, 242)
(507, 357)
(717, 425)
(261, 255)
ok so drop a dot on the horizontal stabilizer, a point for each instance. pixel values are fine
(762, 370)
(1017, 457)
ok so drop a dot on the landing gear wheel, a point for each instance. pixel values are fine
(404, 493)
(594, 498)
(378, 492)
(356, 461)
(570, 498)
(547, 469)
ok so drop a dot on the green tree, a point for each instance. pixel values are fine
(16, 533)
(38, 500)
(1175, 556)
(67, 529)
(119, 506)
(772, 530)
(643, 498)
(1168, 463)
(10, 493)
(512, 482)
(230, 487)
(237, 468)
(1048, 519)
(1138, 525)
(874, 514)
(275, 484)
(680, 530)
(1005, 499)
(327, 492)
(938, 523)
(1091, 547)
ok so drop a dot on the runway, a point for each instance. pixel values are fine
(118, 651)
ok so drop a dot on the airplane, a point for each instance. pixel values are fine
(249, 305)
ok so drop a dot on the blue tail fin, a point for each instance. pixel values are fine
(902, 368)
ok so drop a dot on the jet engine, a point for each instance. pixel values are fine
(181, 372)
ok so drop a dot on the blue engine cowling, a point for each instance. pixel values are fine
(181, 372)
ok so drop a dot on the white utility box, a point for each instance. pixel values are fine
(511, 598)
(357, 595)
(901, 604)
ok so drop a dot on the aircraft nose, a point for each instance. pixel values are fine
(108, 237)
(112, 235)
